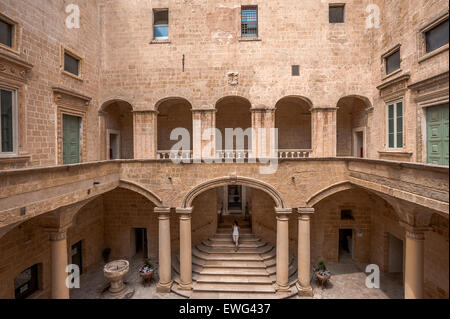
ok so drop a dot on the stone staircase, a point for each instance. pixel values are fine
(220, 272)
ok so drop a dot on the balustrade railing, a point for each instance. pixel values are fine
(294, 153)
(174, 154)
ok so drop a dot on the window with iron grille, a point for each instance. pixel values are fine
(161, 24)
(71, 64)
(6, 33)
(26, 283)
(249, 22)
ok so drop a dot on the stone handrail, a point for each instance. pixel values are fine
(169, 154)
(294, 153)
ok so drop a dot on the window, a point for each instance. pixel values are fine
(6, 33)
(395, 125)
(71, 64)
(7, 122)
(161, 24)
(392, 62)
(347, 214)
(295, 70)
(336, 13)
(26, 283)
(437, 37)
(249, 22)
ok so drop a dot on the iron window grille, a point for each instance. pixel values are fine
(249, 22)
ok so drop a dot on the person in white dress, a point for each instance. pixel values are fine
(236, 234)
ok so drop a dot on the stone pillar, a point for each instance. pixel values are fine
(58, 240)
(203, 119)
(304, 251)
(145, 134)
(165, 255)
(283, 248)
(263, 118)
(324, 131)
(185, 248)
(414, 264)
(103, 154)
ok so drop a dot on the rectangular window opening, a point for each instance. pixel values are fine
(249, 22)
(393, 62)
(437, 37)
(295, 70)
(7, 121)
(337, 13)
(71, 64)
(6, 33)
(395, 125)
(161, 24)
(26, 283)
(347, 214)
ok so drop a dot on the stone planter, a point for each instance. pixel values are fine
(114, 272)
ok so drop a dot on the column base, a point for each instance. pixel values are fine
(164, 288)
(304, 291)
(185, 286)
(282, 288)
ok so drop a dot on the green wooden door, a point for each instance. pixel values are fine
(71, 139)
(437, 135)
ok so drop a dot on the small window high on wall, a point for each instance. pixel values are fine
(27, 282)
(337, 13)
(161, 24)
(6, 33)
(437, 37)
(249, 22)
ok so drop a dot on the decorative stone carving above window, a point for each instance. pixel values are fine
(72, 99)
(233, 78)
(14, 68)
(394, 88)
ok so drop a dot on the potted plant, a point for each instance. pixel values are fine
(322, 274)
(147, 271)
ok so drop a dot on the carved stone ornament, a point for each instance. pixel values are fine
(233, 78)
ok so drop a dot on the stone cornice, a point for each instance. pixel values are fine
(397, 80)
(423, 84)
(14, 67)
(63, 96)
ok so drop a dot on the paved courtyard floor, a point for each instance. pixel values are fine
(347, 282)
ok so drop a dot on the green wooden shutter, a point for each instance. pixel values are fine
(437, 135)
(6, 104)
(399, 125)
(391, 124)
(71, 139)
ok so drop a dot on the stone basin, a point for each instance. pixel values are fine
(114, 272)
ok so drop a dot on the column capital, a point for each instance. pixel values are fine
(415, 232)
(185, 213)
(305, 213)
(283, 213)
(145, 111)
(57, 234)
(324, 109)
(204, 110)
(163, 212)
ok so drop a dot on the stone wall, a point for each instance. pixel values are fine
(204, 216)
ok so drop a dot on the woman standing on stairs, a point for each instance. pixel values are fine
(236, 234)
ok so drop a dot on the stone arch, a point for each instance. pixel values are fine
(155, 199)
(234, 180)
(351, 125)
(293, 119)
(169, 99)
(298, 97)
(112, 100)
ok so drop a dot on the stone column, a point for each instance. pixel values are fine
(263, 120)
(304, 251)
(165, 255)
(324, 131)
(103, 154)
(203, 119)
(58, 240)
(283, 248)
(414, 264)
(185, 248)
(145, 134)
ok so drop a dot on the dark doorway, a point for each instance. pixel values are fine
(77, 258)
(235, 199)
(141, 241)
(345, 245)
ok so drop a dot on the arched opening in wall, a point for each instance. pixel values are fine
(174, 114)
(119, 130)
(353, 227)
(352, 127)
(294, 122)
(233, 112)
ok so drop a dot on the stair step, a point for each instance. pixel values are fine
(221, 279)
(237, 295)
(228, 235)
(230, 244)
(239, 288)
(233, 264)
(235, 271)
(229, 239)
(228, 250)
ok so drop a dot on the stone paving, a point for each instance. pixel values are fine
(347, 282)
